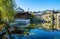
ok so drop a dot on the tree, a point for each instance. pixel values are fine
(7, 8)
(7, 11)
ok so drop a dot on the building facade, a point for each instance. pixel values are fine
(58, 21)
(47, 16)
(52, 20)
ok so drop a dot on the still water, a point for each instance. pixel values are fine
(41, 34)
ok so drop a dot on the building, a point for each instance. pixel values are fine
(47, 16)
(21, 19)
(22, 15)
(52, 19)
(57, 21)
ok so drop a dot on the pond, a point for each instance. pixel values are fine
(41, 34)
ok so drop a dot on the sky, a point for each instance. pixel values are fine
(38, 5)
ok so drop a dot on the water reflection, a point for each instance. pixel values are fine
(42, 34)
(38, 34)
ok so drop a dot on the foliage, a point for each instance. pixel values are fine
(31, 26)
(7, 9)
